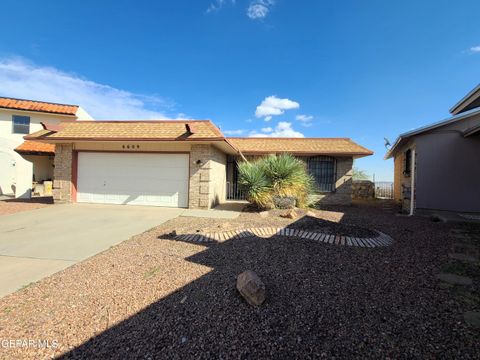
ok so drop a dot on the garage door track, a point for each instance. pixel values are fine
(38, 243)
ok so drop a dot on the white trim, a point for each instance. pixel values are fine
(466, 100)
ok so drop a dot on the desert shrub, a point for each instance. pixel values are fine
(252, 178)
(275, 177)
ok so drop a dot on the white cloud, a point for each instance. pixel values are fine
(218, 4)
(22, 79)
(266, 129)
(234, 132)
(305, 120)
(273, 106)
(283, 129)
(475, 49)
(259, 9)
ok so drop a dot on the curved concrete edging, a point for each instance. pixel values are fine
(381, 240)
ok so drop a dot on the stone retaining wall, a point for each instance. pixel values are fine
(363, 189)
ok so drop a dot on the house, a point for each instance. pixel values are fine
(437, 167)
(176, 163)
(24, 164)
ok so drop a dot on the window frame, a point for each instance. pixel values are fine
(15, 126)
(322, 161)
(407, 163)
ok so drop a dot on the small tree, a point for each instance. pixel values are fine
(359, 174)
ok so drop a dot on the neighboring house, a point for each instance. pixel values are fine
(439, 165)
(21, 166)
(176, 163)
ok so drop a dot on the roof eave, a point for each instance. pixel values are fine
(50, 139)
(29, 152)
(39, 111)
(423, 129)
(311, 153)
(465, 101)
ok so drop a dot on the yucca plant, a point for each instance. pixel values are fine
(253, 179)
(276, 176)
(289, 177)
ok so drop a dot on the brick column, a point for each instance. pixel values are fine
(199, 177)
(62, 176)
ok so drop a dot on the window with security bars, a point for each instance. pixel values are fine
(322, 169)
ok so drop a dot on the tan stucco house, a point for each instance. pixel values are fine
(176, 163)
(437, 167)
(27, 167)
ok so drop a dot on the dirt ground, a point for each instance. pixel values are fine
(154, 297)
(11, 206)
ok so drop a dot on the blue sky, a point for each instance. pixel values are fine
(359, 69)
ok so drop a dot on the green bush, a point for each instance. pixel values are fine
(275, 176)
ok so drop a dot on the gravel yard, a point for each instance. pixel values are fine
(153, 297)
(12, 206)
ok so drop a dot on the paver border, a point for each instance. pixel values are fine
(382, 240)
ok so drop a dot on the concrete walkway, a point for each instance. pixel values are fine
(228, 210)
(38, 243)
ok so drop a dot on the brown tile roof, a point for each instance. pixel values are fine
(133, 130)
(320, 146)
(40, 106)
(35, 147)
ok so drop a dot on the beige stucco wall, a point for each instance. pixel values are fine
(218, 163)
(16, 172)
(134, 146)
(43, 166)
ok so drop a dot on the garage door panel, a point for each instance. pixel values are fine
(135, 179)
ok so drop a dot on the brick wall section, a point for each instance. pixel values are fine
(398, 162)
(400, 180)
(62, 175)
(207, 180)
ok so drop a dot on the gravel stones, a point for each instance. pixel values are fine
(463, 257)
(251, 288)
(472, 318)
(454, 279)
(341, 302)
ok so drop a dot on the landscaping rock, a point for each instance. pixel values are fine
(251, 288)
(284, 202)
(454, 279)
(472, 318)
(291, 214)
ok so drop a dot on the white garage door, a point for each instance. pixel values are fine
(134, 179)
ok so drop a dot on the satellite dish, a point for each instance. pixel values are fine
(387, 143)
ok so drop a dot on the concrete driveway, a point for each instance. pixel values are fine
(38, 243)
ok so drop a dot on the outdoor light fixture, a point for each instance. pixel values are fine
(199, 162)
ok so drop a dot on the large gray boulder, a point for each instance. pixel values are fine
(251, 288)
